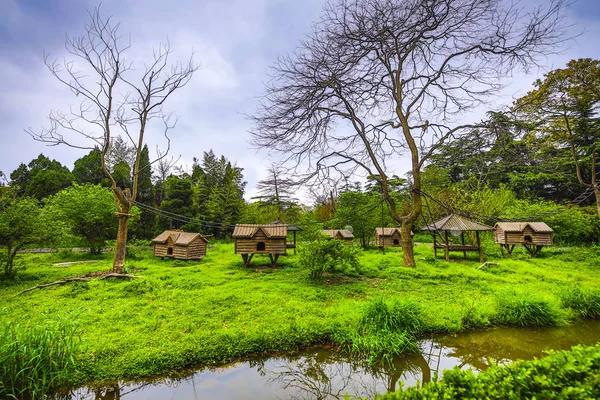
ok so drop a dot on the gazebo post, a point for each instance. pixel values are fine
(462, 236)
(479, 247)
(434, 245)
(447, 246)
(294, 242)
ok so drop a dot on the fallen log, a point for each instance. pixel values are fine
(76, 279)
(81, 279)
(485, 264)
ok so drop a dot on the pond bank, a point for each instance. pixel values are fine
(325, 374)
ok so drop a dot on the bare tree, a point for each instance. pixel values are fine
(277, 189)
(376, 78)
(112, 103)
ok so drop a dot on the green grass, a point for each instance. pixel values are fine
(35, 360)
(181, 314)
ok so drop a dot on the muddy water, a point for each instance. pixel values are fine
(323, 374)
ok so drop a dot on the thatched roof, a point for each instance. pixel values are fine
(290, 227)
(455, 222)
(274, 231)
(345, 234)
(179, 238)
(539, 227)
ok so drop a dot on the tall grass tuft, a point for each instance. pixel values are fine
(526, 309)
(385, 330)
(584, 302)
(35, 360)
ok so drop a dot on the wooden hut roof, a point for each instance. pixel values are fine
(539, 227)
(178, 237)
(346, 234)
(290, 227)
(386, 231)
(275, 231)
(455, 222)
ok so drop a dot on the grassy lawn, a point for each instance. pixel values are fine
(184, 313)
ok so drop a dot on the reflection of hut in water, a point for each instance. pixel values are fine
(456, 226)
(251, 239)
(532, 235)
(180, 245)
(339, 234)
(388, 237)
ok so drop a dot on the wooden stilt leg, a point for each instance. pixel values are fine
(245, 259)
(274, 261)
(434, 245)
(447, 246)
(479, 246)
(271, 258)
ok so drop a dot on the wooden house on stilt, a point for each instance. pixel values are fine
(251, 239)
(532, 235)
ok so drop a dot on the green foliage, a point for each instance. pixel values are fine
(88, 169)
(41, 178)
(35, 360)
(178, 200)
(584, 302)
(89, 211)
(145, 195)
(361, 211)
(560, 375)
(385, 330)
(121, 173)
(325, 255)
(23, 223)
(526, 309)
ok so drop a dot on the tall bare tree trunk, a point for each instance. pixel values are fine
(597, 192)
(123, 203)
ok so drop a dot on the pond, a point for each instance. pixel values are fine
(320, 373)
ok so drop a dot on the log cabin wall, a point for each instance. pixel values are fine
(250, 245)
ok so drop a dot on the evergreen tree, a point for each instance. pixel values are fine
(88, 169)
(146, 195)
(178, 200)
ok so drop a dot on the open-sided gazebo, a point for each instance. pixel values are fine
(456, 226)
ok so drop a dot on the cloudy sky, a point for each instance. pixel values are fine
(234, 41)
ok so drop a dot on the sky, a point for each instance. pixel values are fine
(234, 41)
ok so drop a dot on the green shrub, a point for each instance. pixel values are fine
(560, 375)
(324, 255)
(384, 330)
(35, 360)
(585, 302)
(525, 309)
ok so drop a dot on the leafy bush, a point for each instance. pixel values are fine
(526, 309)
(35, 360)
(324, 255)
(562, 375)
(585, 302)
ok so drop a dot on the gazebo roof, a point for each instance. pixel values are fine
(290, 228)
(454, 222)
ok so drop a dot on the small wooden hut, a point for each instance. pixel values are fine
(290, 228)
(251, 239)
(532, 235)
(388, 237)
(340, 234)
(456, 226)
(180, 245)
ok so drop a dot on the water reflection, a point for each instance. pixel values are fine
(324, 374)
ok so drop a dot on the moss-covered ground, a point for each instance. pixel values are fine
(180, 314)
